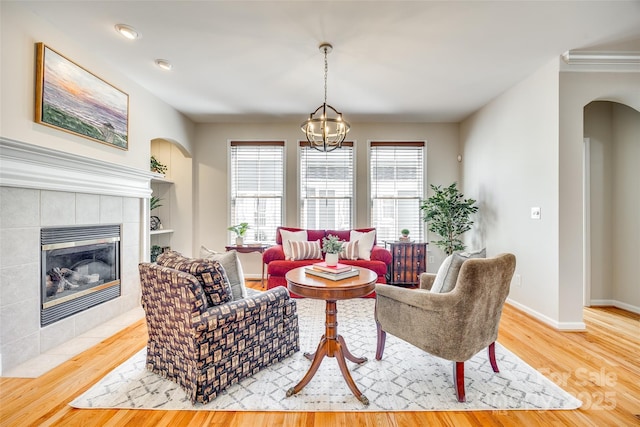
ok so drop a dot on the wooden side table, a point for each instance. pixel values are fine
(409, 260)
(251, 247)
(331, 344)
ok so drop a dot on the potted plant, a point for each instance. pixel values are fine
(331, 246)
(155, 251)
(240, 230)
(447, 212)
(155, 223)
(405, 235)
(158, 167)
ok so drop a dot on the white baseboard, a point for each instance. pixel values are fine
(253, 276)
(614, 303)
(563, 326)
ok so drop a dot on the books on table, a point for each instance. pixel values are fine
(338, 268)
(351, 272)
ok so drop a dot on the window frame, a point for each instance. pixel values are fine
(231, 220)
(421, 235)
(304, 145)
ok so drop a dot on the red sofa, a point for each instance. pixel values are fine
(278, 266)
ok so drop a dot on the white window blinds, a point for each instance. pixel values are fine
(257, 188)
(326, 188)
(397, 188)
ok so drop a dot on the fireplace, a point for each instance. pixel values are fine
(80, 269)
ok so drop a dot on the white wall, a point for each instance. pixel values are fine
(149, 117)
(510, 151)
(527, 150)
(212, 186)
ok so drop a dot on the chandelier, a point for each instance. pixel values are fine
(325, 129)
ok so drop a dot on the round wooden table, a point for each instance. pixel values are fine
(331, 344)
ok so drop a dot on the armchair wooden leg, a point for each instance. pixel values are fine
(382, 337)
(458, 379)
(492, 357)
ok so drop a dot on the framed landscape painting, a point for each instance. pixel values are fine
(72, 99)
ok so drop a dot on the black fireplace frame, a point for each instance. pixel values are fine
(78, 236)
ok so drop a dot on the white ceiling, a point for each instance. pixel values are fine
(409, 61)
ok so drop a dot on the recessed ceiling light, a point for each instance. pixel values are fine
(127, 31)
(164, 64)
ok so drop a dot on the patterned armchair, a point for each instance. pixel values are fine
(204, 347)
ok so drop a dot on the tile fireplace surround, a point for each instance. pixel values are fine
(41, 187)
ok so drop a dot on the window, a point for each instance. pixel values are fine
(326, 188)
(257, 188)
(397, 188)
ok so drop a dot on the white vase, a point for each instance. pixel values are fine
(331, 259)
(239, 241)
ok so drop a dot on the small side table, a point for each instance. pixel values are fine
(251, 247)
(409, 260)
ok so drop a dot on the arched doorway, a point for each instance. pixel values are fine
(612, 203)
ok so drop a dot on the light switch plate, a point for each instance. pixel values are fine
(535, 213)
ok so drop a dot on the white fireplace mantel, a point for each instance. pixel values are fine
(30, 166)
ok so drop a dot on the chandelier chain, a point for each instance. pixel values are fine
(326, 71)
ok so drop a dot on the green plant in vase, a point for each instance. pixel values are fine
(156, 166)
(154, 221)
(331, 246)
(448, 214)
(240, 230)
(155, 252)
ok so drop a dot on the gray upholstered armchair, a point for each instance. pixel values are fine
(203, 338)
(454, 325)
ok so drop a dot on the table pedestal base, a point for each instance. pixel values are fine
(331, 345)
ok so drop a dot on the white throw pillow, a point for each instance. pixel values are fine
(365, 242)
(447, 275)
(287, 236)
(231, 264)
(438, 282)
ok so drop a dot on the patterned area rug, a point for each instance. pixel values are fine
(406, 379)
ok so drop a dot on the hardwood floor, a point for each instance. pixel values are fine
(600, 366)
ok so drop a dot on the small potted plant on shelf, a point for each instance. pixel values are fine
(155, 223)
(158, 167)
(331, 246)
(405, 235)
(155, 251)
(240, 230)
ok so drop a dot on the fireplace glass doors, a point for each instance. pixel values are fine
(80, 269)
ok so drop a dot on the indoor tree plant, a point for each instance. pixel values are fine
(240, 230)
(331, 246)
(447, 212)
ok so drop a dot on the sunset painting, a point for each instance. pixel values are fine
(72, 99)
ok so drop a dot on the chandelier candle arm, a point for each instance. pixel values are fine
(325, 128)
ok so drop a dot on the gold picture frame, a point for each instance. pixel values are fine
(74, 100)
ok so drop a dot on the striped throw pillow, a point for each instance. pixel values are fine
(305, 250)
(349, 250)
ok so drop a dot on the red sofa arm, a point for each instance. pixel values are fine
(378, 253)
(274, 253)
